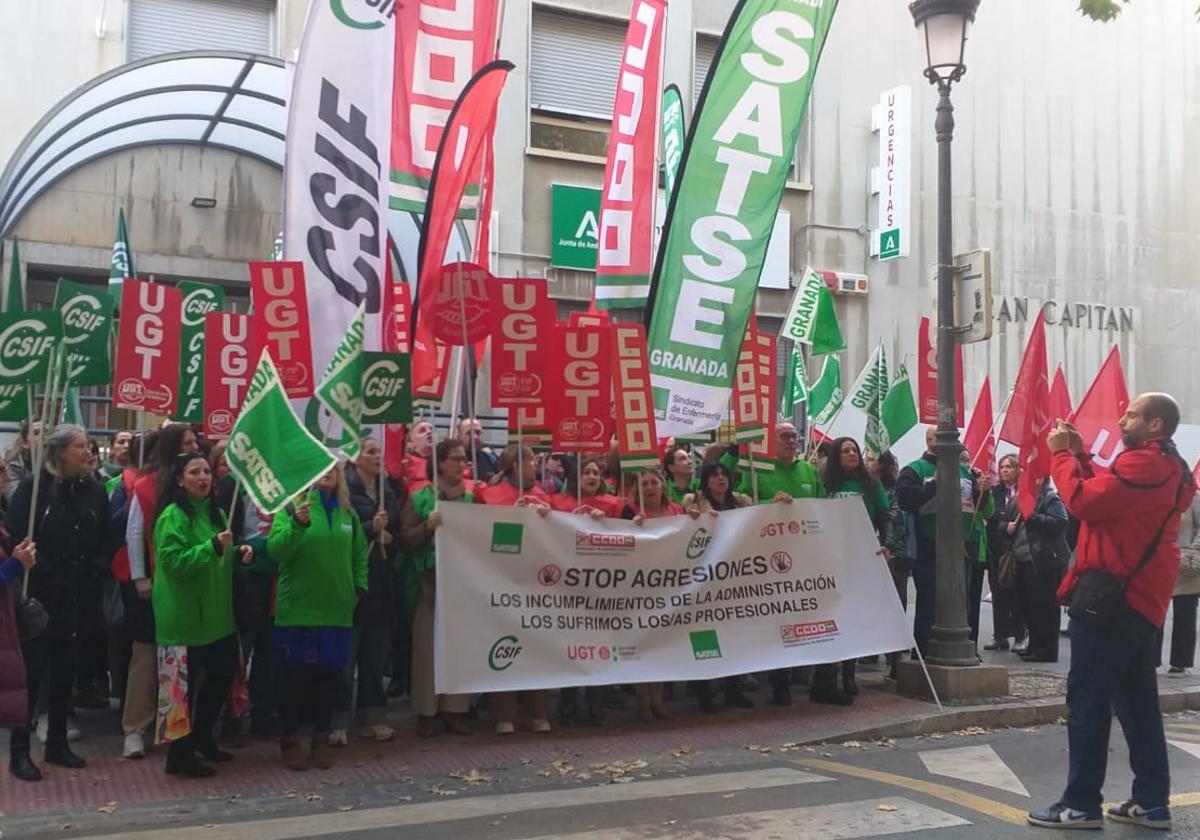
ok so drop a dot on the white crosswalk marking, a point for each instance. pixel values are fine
(840, 821)
(1187, 746)
(425, 813)
(978, 764)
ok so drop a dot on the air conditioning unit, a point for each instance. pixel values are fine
(845, 283)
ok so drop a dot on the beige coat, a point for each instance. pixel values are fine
(701, 501)
(1188, 582)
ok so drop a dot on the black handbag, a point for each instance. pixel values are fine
(32, 619)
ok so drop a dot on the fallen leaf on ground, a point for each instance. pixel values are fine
(563, 767)
(973, 730)
(345, 807)
(313, 797)
(728, 795)
(886, 807)
(472, 777)
(853, 744)
(438, 790)
(682, 751)
(108, 808)
(545, 774)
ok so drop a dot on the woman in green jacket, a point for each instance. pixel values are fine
(193, 615)
(321, 552)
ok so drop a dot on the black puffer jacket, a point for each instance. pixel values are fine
(74, 543)
(376, 607)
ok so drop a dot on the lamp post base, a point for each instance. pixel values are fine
(952, 683)
(952, 647)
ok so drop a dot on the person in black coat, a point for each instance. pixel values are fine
(1040, 543)
(374, 614)
(72, 533)
(1007, 619)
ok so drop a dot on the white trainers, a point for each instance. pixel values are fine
(378, 732)
(539, 725)
(338, 738)
(505, 727)
(43, 725)
(135, 746)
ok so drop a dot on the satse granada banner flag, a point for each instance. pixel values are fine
(583, 421)
(439, 48)
(624, 260)
(280, 322)
(229, 348)
(147, 373)
(637, 438)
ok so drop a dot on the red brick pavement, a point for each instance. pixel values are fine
(256, 770)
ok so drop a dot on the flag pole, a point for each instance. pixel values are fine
(579, 477)
(466, 372)
(35, 458)
(520, 446)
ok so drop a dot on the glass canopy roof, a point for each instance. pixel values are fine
(226, 100)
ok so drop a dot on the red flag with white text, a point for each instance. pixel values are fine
(280, 323)
(1027, 421)
(1101, 409)
(146, 377)
(927, 376)
(979, 439)
(637, 436)
(230, 352)
(624, 259)
(522, 328)
(581, 410)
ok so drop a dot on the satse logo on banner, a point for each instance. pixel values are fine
(148, 347)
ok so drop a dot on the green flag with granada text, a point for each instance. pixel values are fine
(825, 396)
(340, 389)
(270, 452)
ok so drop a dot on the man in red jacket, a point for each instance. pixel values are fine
(1128, 512)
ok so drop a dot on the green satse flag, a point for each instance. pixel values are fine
(87, 331)
(867, 393)
(825, 396)
(14, 300)
(121, 264)
(795, 389)
(811, 317)
(270, 452)
(340, 389)
(673, 136)
(276, 252)
(899, 412)
(740, 147)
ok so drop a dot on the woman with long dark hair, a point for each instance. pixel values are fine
(585, 490)
(845, 474)
(194, 555)
(680, 473)
(715, 495)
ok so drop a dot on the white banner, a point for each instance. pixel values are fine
(336, 170)
(526, 602)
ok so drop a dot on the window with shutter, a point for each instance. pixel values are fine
(165, 26)
(573, 65)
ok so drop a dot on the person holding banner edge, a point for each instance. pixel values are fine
(419, 523)
(194, 557)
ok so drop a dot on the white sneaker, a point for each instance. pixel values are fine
(505, 727)
(337, 738)
(43, 726)
(135, 747)
(539, 725)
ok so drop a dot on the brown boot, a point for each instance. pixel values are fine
(322, 755)
(293, 754)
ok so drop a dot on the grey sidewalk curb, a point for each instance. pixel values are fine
(1017, 715)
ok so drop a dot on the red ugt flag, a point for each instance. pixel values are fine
(979, 440)
(1028, 419)
(1060, 397)
(1101, 409)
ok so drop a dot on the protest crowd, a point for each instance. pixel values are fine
(312, 619)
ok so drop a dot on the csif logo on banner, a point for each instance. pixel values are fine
(363, 14)
(26, 340)
(387, 388)
(87, 324)
(198, 300)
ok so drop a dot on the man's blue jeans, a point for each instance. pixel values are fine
(1113, 671)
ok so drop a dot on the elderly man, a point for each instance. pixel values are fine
(481, 458)
(72, 535)
(1128, 535)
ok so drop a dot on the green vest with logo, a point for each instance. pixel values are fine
(974, 521)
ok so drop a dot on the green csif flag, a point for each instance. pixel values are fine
(740, 146)
(867, 393)
(673, 136)
(825, 396)
(87, 331)
(899, 412)
(340, 389)
(121, 264)
(14, 300)
(811, 318)
(198, 300)
(270, 452)
(795, 388)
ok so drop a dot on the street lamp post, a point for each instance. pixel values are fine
(944, 25)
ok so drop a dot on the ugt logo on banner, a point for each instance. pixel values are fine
(280, 322)
(229, 348)
(583, 421)
(522, 316)
(148, 347)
